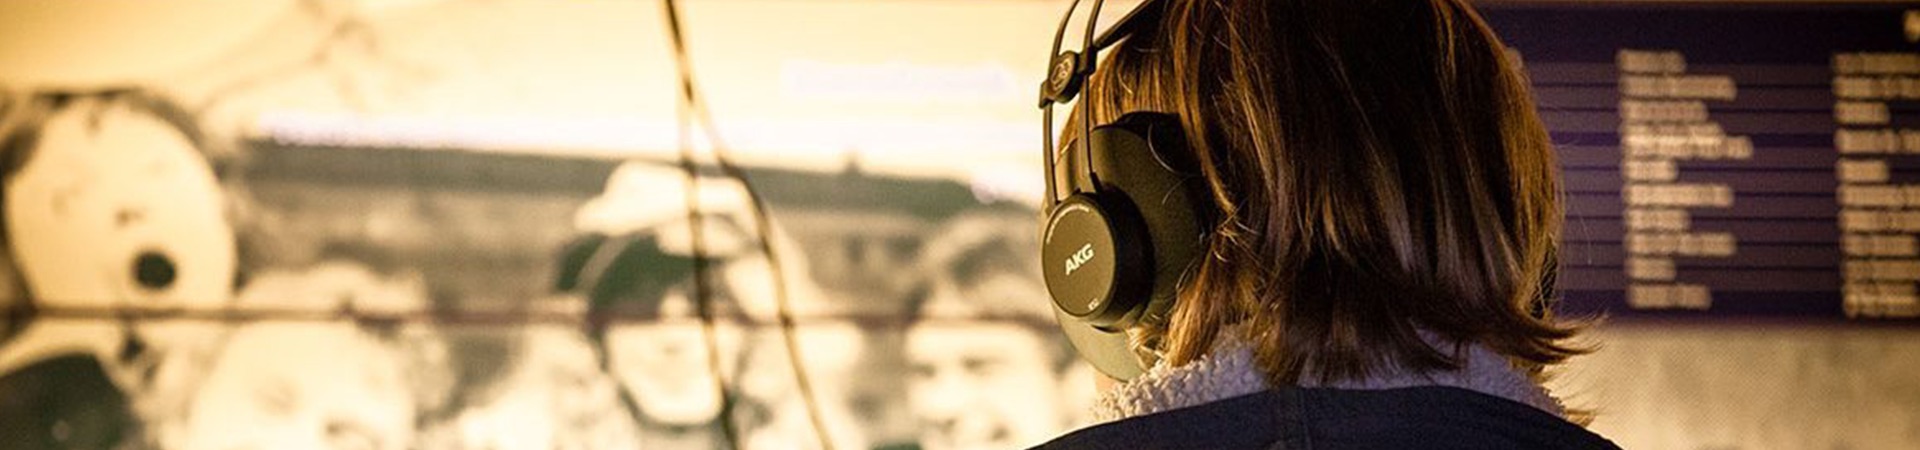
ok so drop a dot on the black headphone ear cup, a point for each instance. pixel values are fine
(1144, 158)
(1095, 260)
(1166, 140)
(1136, 235)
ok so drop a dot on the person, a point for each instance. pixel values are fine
(554, 396)
(1379, 211)
(654, 346)
(265, 389)
(635, 267)
(115, 221)
(985, 368)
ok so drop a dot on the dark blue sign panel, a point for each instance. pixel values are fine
(1732, 159)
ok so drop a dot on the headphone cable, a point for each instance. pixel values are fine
(702, 276)
(693, 104)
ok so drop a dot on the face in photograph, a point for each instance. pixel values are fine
(980, 383)
(666, 366)
(112, 209)
(116, 208)
(556, 397)
(976, 386)
(303, 385)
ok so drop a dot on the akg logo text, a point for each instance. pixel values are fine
(1079, 258)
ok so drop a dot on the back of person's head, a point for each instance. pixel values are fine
(1380, 178)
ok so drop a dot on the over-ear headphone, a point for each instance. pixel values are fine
(1124, 210)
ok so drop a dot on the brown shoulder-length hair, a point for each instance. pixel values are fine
(1379, 172)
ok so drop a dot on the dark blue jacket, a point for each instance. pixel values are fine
(1296, 418)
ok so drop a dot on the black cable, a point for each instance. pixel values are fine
(702, 276)
(702, 284)
(693, 104)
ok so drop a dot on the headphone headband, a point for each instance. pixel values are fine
(1068, 71)
(1118, 237)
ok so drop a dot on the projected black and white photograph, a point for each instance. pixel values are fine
(817, 224)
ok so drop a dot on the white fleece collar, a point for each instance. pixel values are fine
(1228, 371)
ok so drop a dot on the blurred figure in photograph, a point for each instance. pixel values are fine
(635, 267)
(116, 224)
(273, 389)
(985, 364)
(331, 361)
(644, 324)
(556, 397)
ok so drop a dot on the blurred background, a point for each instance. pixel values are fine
(449, 224)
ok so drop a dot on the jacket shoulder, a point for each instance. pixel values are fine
(1295, 418)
